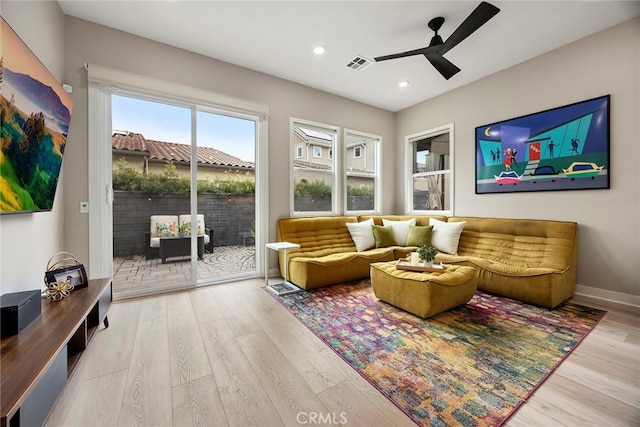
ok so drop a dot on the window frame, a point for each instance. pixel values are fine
(319, 150)
(377, 207)
(409, 175)
(359, 151)
(299, 152)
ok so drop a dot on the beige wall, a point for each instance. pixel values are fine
(87, 42)
(605, 63)
(29, 240)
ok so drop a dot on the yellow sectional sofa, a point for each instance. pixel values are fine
(530, 260)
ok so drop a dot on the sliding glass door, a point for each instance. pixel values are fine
(226, 202)
(184, 201)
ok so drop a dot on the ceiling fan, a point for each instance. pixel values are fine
(437, 47)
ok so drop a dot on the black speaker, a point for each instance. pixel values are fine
(18, 310)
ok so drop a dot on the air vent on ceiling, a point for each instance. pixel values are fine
(359, 63)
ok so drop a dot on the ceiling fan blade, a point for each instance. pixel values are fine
(477, 19)
(421, 51)
(443, 65)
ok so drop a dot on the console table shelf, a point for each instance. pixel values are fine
(37, 361)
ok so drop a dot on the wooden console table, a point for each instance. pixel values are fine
(37, 362)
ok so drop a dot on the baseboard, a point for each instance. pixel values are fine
(620, 300)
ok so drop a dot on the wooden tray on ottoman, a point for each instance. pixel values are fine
(403, 264)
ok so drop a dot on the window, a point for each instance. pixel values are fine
(314, 181)
(299, 152)
(362, 183)
(430, 171)
(330, 153)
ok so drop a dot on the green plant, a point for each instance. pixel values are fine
(127, 178)
(427, 253)
(359, 190)
(316, 188)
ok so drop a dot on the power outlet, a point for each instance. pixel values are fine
(84, 207)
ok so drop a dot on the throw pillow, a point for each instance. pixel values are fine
(383, 236)
(400, 229)
(446, 235)
(187, 228)
(166, 229)
(419, 235)
(362, 234)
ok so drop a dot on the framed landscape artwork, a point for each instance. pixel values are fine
(565, 148)
(36, 112)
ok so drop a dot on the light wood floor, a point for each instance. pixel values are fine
(231, 355)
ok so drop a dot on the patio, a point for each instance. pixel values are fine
(135, 273)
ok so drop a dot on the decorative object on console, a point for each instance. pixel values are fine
(58, 290)
(36, 113)
(18, 310)
(66, 269)
(565, 148)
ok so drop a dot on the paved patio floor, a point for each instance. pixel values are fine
(135, 273)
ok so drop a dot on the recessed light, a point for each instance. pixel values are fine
(403, 83)
(318, 50)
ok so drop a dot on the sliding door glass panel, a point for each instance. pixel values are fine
(151, 146)
(226, 195)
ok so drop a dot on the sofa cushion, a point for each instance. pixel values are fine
(155, 219)
(362, 234)
(166, 229)
(400, 229)
(419, 235)
(314, 272)
(445, 236)
(383, 236)
(519, 242)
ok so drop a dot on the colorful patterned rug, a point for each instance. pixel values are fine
(473, 365)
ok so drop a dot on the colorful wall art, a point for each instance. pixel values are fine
(35, 114)
(565, 148)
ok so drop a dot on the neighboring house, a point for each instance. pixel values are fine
(313, 152)
(150, 156)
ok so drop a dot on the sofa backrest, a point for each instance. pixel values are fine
(520, 242)
(317, 236)
(420, 219)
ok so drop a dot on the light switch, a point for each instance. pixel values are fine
(84, 207)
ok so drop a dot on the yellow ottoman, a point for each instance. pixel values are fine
(423, 294)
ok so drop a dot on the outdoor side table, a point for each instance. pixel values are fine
(285, 287)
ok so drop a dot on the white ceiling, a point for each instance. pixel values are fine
(277, 38)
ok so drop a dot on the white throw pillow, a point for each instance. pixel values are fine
(362, 234)
(446, 235)
(400, 229)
